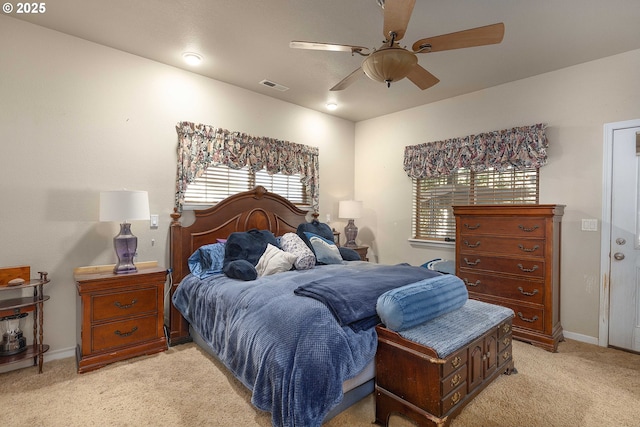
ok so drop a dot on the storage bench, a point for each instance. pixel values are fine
(430, 372)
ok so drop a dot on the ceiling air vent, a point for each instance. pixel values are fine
(273, 85)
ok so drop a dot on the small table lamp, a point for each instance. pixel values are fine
(123, 206)
(350, 209)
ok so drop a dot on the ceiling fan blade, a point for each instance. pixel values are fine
(396, 17)
(328, 46)
(347, 81)
(422, 78)
(481, 36)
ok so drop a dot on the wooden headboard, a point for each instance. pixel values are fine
(256, 208)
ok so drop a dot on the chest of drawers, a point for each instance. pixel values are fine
(122, 316)
(510, 255)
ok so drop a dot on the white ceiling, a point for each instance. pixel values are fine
(246, 41)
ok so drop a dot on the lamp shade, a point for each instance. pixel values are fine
(350, 209)
(124, 205)
(389, 64)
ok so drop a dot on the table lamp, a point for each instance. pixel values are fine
(124, 206)
(350, 209)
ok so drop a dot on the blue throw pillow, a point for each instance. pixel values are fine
(349, 254)
(412, 305)
(241, 269)
(246, 246)
(207, 260)
(326, 252)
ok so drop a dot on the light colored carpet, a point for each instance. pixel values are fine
(581, 385)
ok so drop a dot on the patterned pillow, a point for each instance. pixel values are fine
(292, 243)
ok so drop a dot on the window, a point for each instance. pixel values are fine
(219, 182)
(433, 198)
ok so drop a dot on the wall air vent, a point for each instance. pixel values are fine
(273, 85)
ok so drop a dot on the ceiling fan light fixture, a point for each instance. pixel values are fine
(332, 106)
(389, 64)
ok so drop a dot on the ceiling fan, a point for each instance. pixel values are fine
(391, 62)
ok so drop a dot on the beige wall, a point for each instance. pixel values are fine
(575, 103)
(77, 118)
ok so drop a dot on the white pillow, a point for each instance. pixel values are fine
(274, 260)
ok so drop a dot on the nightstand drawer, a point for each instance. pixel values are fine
(122, 304)
(126, 332)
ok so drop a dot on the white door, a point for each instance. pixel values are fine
(624, 303)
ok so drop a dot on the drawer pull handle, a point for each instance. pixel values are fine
(468, 283)
(506, 341)
(533, 249)
(125, 306)
(533, 319)
(472, 245)
(506, 355)
(506, 328)
(476, 262)
(126, 334)
(528, 230)
(528, 270)
(472, 227)
(455, 398)
(529, 294)
(455, 380)
(456, 361)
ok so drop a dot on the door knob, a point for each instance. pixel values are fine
(619, 256)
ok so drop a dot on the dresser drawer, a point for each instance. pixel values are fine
(495, 225)
(504, 356)
(522, 267)
(125, 332)
(502, 245)
(453, 398)
(454, 362)
(490, 284)
(454, 380)
(526, 317)
(123, 304)
(504, 342)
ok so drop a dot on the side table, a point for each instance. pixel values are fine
(122, 316)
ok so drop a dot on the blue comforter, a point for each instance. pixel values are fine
(289, 350)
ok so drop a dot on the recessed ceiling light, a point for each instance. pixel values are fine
(332, 106)
(192, 58)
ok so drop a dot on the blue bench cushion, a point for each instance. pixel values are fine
(452, 331)
(411, 305)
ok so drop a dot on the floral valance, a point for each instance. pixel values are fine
(200, 146)
(521, 147)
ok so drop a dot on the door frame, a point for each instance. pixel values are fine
(605, 235)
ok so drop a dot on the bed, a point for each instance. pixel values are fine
(303, 359)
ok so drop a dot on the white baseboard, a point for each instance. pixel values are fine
(48, 357)
(580, 337)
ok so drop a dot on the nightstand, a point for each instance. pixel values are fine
(121, 316)
(362, 251)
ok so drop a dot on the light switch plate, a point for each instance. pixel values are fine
(589, 225)
(154, 221)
